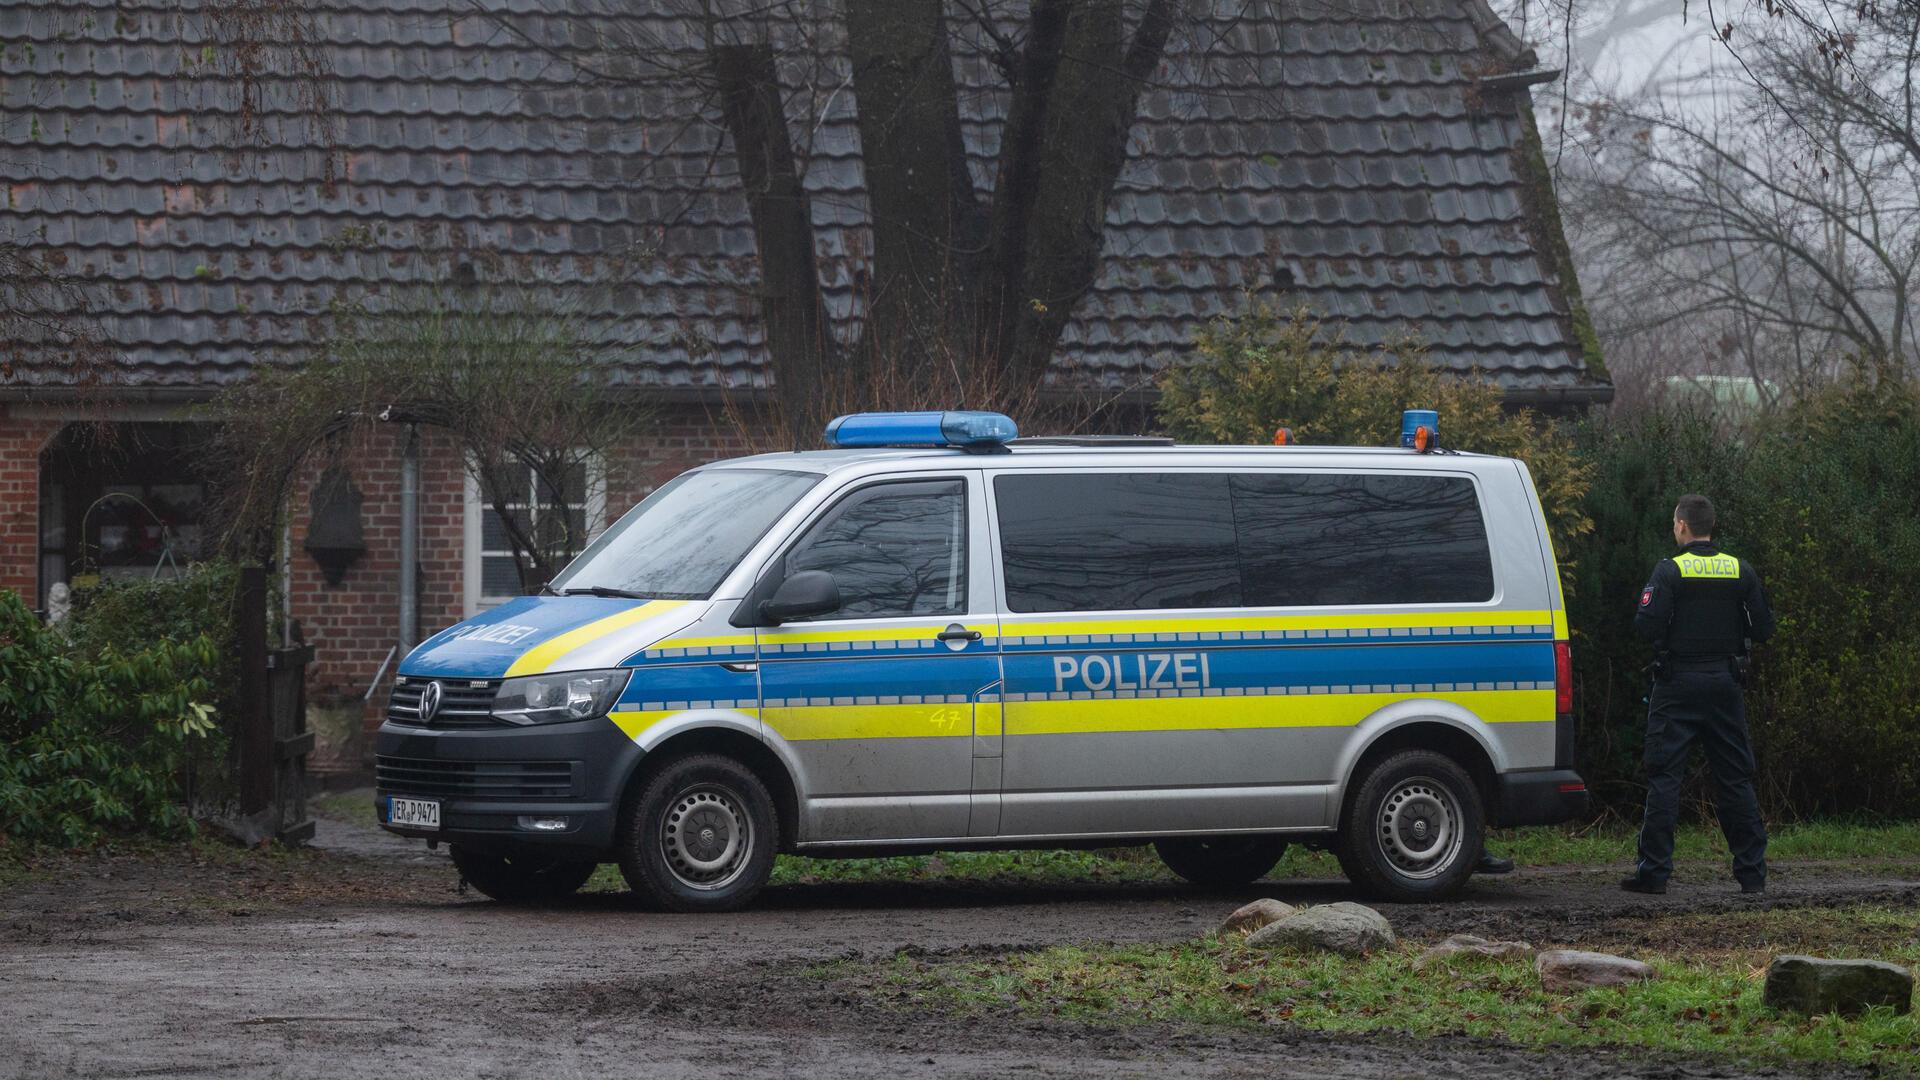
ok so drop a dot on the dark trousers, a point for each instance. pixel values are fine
(1702, 707)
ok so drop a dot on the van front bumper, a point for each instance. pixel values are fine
(492, 784)
(1539, 797)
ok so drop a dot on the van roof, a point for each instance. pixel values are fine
(1119, 451)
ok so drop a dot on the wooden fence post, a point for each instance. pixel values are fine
(256, 714)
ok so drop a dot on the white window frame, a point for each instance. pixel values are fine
(473, 561)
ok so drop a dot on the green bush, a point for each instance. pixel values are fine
(131, 614)
(1821, 498)
(96, 742)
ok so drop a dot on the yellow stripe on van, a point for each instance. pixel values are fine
(1293, 710)
(537, 659)
(1015, 628)
(635, 721)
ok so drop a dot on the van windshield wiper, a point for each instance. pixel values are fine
(601, 590)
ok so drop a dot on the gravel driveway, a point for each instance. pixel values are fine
(123, 970)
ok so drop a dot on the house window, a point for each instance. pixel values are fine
(121, 500)
(492, 574)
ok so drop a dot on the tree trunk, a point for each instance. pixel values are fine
(792, 309)
(1067, 133)
(919, 193)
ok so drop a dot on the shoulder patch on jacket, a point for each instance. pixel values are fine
(1646, 596)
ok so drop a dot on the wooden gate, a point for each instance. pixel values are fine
(273, 738)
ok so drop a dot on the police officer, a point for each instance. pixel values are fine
(1700, 610)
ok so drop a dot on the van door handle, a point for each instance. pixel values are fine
(741, 666)
(956, 632)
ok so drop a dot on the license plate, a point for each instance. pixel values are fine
(413, 813)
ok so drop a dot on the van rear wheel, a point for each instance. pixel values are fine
(1413, 828)
(1220, 860)
(700, 836)
(520, 879)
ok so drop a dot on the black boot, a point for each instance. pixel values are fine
(1638, 884)
(1493, 864)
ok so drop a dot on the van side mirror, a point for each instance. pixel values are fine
(807, 593)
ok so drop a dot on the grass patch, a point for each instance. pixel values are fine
(1107, 865)
(350, 806)
(1117, 865)
(1705, 1003)
(1873, 845)
(1561, 845)
(18, 868)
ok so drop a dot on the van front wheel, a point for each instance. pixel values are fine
(1220, 860)
(700, 836)
(1413, 828)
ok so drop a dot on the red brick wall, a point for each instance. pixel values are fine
(354, 625)
(677, 440)
(21, 440)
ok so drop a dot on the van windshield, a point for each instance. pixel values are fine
(681, 541)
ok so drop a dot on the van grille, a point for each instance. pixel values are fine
(476, 779)
(464, 703)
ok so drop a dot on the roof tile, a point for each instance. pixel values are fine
(1331, 155)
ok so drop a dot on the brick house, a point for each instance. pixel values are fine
(1399, 187)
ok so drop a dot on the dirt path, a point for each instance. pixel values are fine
(119, 972)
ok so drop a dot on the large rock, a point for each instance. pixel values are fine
(1564, 971)
(1256, 915)
(1810, 985)
(1348, 929)
(1471, 947)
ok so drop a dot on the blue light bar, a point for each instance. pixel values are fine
(920, 429)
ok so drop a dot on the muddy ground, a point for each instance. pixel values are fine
(363, 961)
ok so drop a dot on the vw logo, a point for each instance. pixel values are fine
(429, 702)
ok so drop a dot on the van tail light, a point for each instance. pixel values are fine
(1562, 677)
(1563, 734)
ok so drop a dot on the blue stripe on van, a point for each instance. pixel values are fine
(1335, 668)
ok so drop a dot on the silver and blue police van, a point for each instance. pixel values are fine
(940, 636)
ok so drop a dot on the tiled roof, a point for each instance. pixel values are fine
(1341, 154)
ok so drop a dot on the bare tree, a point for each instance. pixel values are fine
(1782, 236)
(972, 263)
(45, 316)
(518, 386)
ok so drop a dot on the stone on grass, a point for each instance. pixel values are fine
(1811, 985)
(1256, 915)
(1347, 929)
(1471, 947)
(1564, 971)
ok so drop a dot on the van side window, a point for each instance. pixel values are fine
(1335, 540)
(894, 549)
(1117, 542)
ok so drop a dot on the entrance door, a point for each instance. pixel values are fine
(877, 701)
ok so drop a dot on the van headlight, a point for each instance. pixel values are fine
(563, 695)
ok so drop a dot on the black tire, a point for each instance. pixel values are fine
(526, 878)
(1220, 860)
(715, 869)
(1413, 829)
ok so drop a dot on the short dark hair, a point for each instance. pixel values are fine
(1697, 512)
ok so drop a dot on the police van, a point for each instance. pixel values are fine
(940, 636)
